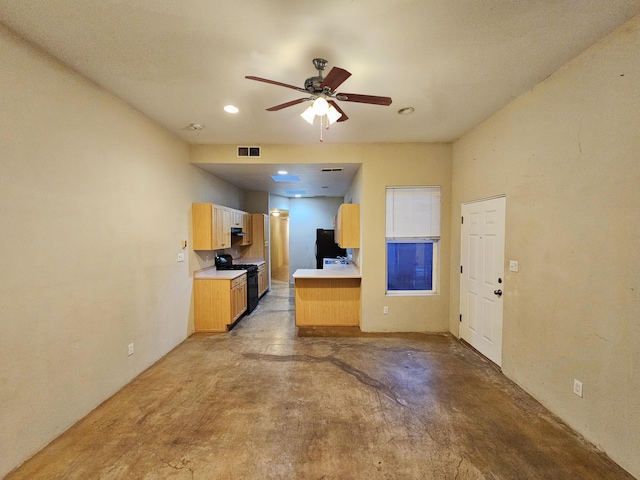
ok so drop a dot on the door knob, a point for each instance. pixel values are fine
(498, 292)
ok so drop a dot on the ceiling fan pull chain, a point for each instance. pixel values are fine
(321, 139)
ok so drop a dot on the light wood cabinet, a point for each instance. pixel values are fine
(260, 245)
(327, 302)
(238, 297)
(263, 280)
(246, 228)
(240, 219)
(218, 303)
(236, 218)
(210, 226)
(221, 228)
(347, 226)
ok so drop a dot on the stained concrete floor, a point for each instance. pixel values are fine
(267, 402)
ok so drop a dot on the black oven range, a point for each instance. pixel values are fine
(225, 262)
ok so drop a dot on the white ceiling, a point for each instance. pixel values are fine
(455, 61)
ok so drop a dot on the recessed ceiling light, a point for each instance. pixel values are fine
(406, 110)
(275, 214)
(231, 109)
(297, 195)
(282, 172)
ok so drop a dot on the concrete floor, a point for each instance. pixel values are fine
(265, 402)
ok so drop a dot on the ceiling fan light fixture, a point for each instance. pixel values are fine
(308, 115)
(333, 114)
(320, 106)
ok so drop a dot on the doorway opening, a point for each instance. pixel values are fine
(279, 241)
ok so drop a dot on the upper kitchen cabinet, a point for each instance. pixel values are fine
(241, 220)
(245, 223)
(347, 227)
(248, 228)
(211, 226)
(236, 218)
(221, 234)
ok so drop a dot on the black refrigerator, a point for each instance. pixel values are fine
(326, 247)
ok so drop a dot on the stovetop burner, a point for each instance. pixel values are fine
(225, 262)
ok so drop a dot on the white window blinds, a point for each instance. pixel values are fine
(413, 212)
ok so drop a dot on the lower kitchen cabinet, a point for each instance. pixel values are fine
(238, 297)
(263, 279)
(218, 302)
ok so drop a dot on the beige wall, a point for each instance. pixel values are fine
(382, 165)
(567, 156)
(393, 165)
(94, 202)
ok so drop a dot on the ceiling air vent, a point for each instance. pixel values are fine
(336, 169)
(248, 151)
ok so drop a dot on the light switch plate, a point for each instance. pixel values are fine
(513, 265)
(181, 257)
(577, 387)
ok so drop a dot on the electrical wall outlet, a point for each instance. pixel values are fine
(385, 310)
(577, 387)
(513, 265)
(181, 257)
(130, 349)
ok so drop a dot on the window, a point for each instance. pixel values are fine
(412, 237)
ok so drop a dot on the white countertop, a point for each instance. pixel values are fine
(213, 274)
(348, 271)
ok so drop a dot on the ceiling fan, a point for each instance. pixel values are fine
(322, 91)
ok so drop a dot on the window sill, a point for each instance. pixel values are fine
(406, 293)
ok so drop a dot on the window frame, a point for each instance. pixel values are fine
(433, 239)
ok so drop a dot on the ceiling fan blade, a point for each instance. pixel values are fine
(344, 115)
(273, 82)
(335, 78)
(288, 104)
(354, 97)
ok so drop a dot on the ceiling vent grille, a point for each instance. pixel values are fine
(336, 169)
(248, 151)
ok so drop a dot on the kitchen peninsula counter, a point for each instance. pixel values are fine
(327, 297)
(346, 271)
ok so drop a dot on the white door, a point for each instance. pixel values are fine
(482, 276)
